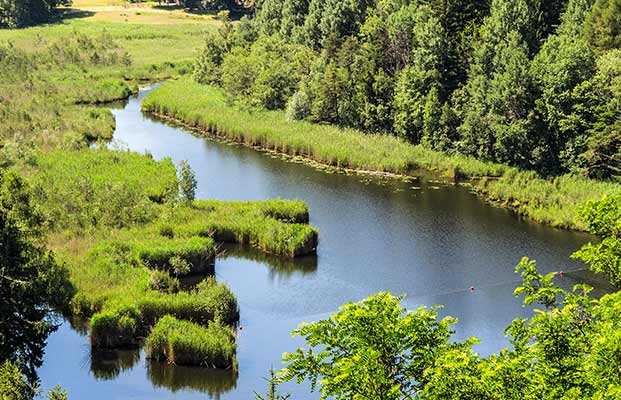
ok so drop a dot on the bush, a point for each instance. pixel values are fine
(298, 106)
(186, 343)
(163, 282)
(187, 182)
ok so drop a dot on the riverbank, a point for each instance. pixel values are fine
(549, 201)
(114, 220)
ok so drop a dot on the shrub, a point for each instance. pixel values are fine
(187, 182)
(186, 343)
(163, 282)
(298, 106)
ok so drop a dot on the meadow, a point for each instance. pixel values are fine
(551, 201)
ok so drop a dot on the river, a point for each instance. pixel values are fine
(428, 240)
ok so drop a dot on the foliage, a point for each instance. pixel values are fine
(504, 81)
(272, 389)
(298, 106)
(603, 218)
(13, 386)
(20, 13)
(187, 182)
(185, 343)
(371, 349)
(31, 282)
(603, 28)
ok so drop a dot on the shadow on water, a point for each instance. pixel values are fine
(279, 267)
(214, 382)
(108, 364)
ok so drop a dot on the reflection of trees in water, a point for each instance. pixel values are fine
(214, 382)
(79, 324)
(108, 364)
(279, 266)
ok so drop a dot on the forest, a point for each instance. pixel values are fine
(528, 83)
(517, 101)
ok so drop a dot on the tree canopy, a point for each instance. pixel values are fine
(530, 83)
(30, 280)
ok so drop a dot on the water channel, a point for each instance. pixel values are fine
(430, 240)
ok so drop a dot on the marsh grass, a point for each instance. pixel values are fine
(552, 201)
(124, 320)
(86, 189)
(277, 227)
(53, 74)
(186, 343)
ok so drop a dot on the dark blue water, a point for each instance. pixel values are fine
(425, 239)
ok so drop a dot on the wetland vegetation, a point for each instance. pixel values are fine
(518, 99)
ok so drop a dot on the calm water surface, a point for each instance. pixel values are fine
(428, 240)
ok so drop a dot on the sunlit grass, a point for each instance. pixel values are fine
(551, 201)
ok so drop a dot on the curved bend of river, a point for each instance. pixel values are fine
(428, 240)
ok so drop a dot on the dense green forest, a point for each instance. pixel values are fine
(530, 83)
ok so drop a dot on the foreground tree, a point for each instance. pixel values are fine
(31, 283)
(373, 349)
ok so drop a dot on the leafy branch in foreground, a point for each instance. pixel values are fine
(569, 350)
(373, 349)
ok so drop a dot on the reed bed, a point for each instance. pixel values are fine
(125, 320)
(186, 343)
(179, 256)
(552, 201)
(276, 227)
(86, 189)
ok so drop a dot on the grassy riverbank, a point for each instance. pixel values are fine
(548, 201)
(114, 220)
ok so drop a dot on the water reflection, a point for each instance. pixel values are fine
(214, 382)
(108, 364)
(279, 267)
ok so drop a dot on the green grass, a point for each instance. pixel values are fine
(125, 319)
(52, 73)
(551, 201)
(186, 343)
(83, 190)
(276, 227)
(179, 256)
(115, 221)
